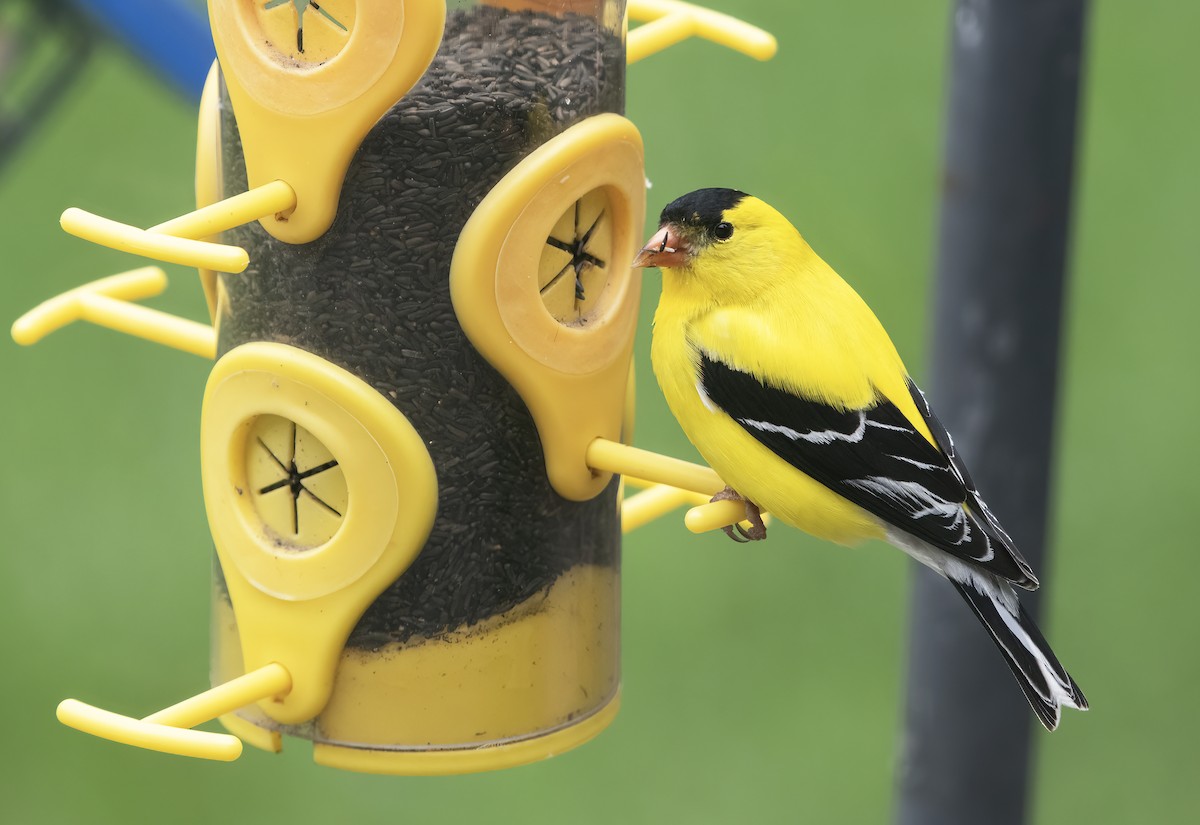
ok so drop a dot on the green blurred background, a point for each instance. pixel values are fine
(760, 683)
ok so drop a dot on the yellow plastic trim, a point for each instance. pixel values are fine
(572, 378)
(297, 605)
(302, 122)
(168, 729)
(209, 181)
(667, 22)
(446, 762)
(106, 302)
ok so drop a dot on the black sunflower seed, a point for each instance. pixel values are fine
(372, 296)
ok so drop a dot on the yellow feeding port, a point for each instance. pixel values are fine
(296, 484)
(578, 260)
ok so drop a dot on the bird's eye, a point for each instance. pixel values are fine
(723, 231)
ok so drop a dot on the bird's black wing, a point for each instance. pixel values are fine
(977, 505)
(876, 459)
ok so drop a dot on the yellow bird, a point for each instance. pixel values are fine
(792, 391)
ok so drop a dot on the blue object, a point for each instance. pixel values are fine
(171, 35)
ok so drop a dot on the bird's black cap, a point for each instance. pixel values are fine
(702, 209)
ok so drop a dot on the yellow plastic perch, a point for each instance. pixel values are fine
(672, 481)
(169, 730)
(166, 248)
(107, 303)
(654, 501)
(667, 22)
(176, 241)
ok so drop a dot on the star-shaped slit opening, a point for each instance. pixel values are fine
(294, 478)
(581, 258)
(300, 7)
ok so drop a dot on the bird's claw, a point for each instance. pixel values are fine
(736, 536)
(757, 530)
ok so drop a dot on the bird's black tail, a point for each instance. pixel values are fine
(1046, 683)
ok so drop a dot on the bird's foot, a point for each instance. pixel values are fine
(757, 531)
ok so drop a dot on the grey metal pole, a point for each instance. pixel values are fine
(1009, 149)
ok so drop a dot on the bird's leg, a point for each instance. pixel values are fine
(757, 531)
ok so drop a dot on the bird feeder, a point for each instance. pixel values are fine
(414, 234)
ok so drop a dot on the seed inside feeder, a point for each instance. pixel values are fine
(372, 296)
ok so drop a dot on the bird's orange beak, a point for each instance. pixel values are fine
(666, 248)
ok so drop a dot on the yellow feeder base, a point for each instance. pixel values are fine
(531, 683)
(464, 760)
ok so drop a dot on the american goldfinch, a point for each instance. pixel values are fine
(790, 388)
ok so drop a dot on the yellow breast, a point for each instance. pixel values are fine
(745, 464)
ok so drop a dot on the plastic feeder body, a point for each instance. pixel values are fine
(410, 371)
